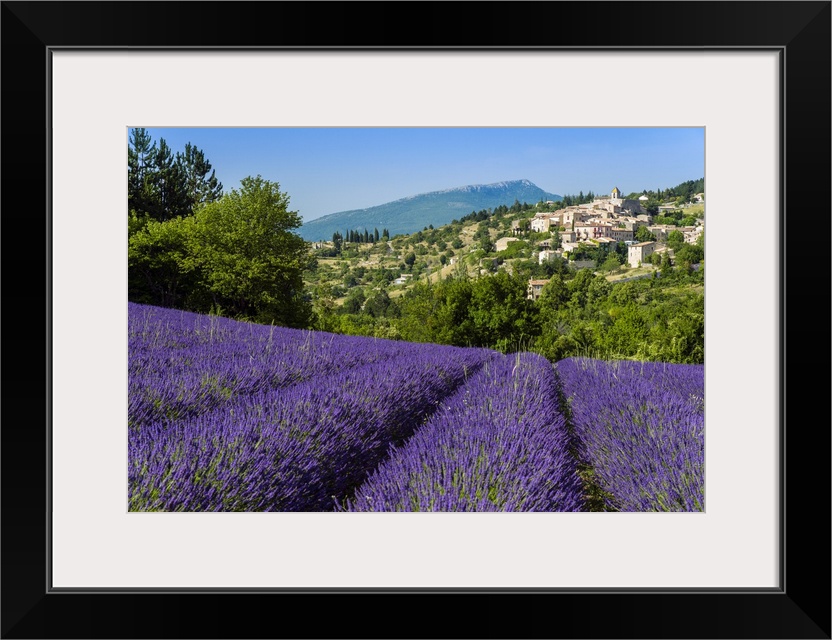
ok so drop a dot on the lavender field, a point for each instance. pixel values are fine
(233, 416)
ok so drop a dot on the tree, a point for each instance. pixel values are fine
(324, 308)
(553, 295)
(418, 322)
(251, 261)
(141, 153)
(556, 240)
(501, 315)
(675, 240)
(643, 234)
(354, 301)
(666, 265)
(689, 254)
(159, 268)
(161, 185)
(409, 259)
(380, 305)
(198, 185)
(652, 205)
(579, 287)
(611, 263)
(167, 196)
(598, 290)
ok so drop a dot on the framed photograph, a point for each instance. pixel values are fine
(753, 78)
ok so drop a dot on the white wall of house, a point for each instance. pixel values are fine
(539, 225)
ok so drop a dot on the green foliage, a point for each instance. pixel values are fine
(675, 240)
(238, 253)
(516, 249)
(666, 220)
(665, 265)
(490, 311)
(160, 269)
(354, 301)
(251, 262)
(141, 154)
(162, 185)
(500, 312)
(611, 263)
(554, 295)
(652, 206)
(643, 234)
(200, 185)
(379, 305)
(689, 254)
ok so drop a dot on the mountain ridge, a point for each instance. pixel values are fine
(413, 213)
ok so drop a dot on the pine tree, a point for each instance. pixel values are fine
(141, 154)
(167, 188)
(199, 186)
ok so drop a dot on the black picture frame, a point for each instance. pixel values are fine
(800, 608)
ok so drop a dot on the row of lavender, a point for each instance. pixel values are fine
(183, 364)
(230, 416)
(639, 429)
(499, 444)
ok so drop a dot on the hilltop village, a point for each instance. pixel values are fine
(605, 222)
(615, 236)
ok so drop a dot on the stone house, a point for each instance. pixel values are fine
(592, 231)
(535, 288)
(541, 223)
(548, 256)
(638, 253)
(621, 235)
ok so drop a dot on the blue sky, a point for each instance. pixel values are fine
(326, 170)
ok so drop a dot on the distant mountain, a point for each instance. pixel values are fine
(414, 213)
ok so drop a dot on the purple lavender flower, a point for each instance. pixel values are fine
(639, 427)
(499, 444)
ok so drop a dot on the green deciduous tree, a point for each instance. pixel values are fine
(675, 240)
(250, 260)
(501, 315)
(689, 254)
(354, 301)
(160, 270)
(643, 234)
